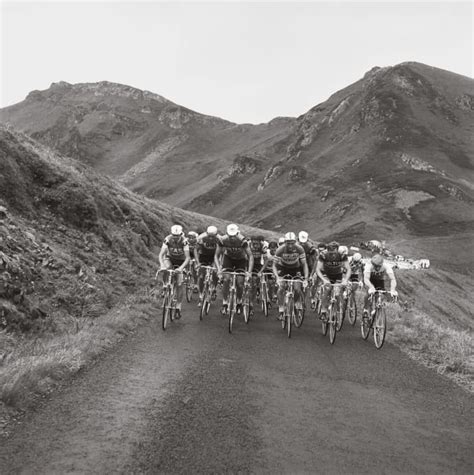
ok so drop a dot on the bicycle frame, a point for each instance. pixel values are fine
(233, 296)
(169, 299)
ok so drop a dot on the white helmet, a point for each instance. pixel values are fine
(232, 230)
(192, 233)
(290, 237)
(343, 250)
(356, 257)
(212, 230)
(176, 230)
(303, 236)
(281, 240)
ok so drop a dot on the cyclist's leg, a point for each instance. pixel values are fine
(240, 266)
(226, 265)
(200, 277)
(282, 271)
(325, 295)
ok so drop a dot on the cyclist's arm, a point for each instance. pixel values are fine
(319, 272)
(393, 281)
(274, 269)
(217, 258)
(250, 257)
(305, 268)
(367, 279)
(265, 262)
(187, 259)
(162, 256)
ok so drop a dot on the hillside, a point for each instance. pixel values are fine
(391, 155)
(72, 242)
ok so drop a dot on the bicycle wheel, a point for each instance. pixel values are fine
(204, 301)
(324, 323)
(339, 314)
(166, 311)
(352, 309)
(332, 325)
(365, 325)
(298, 317)
(264, 299)
(246, 306)
(290, 315)
(380, 327)
(231, 310)
(189, 288)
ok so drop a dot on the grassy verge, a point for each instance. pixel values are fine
(31, 368)
(448, 351)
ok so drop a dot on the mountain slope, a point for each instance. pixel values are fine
(390, 156)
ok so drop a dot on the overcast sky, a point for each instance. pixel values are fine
(244, 62)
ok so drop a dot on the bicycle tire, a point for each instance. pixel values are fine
(231, 310)
(332, 325)
(264, 299)
(290, 315)
(298, 317)
(380, 327)
(352, 309)
(166, 309)
(365, 325)
(246, 306)
(339, 314)
(202, 311)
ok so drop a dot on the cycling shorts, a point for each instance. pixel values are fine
(234, 264)
(206, 260)
(293, 271)
(379, 284)
(334, 278)
(172, 263)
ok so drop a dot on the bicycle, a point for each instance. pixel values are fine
(350, 304)
(169, 298)
(232, 305)
(377, 319)
(290, 314)
(208, 291)
(189, 281)
(334, 313)
(264, 295)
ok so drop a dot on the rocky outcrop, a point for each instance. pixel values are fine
(244, 164)
(418, 164)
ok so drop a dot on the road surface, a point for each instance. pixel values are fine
(195, 399)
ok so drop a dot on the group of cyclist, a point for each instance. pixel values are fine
(312, 265)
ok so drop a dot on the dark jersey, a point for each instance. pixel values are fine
(290, 256)
(206, 245)
(233, 246)
(333, 263)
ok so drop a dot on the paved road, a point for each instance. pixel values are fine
(195, 399)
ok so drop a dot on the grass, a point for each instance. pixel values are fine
(31, 368)
(448, 351)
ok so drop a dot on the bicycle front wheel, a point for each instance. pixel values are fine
(339, 314)
(246, 306)
(189, 288)
(380, 327)
(352, 310)
(231, 310)
(166, 311)
(332, 325)
(290, 315)
(264, 299)
(204, 301)
(365, 327)
(298, 317)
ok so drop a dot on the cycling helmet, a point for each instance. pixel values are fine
(377, 260)
(303, 236)
(212, 231)
(192, 234)
(343, 250)
(281, 240)
(290, 237)
(322, 246)
(176, 230)
(333, 246)
(232, 230)
(356, 257)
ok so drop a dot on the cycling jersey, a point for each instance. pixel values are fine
(333, 264)
(377, 275)
(206, 245)
(290, 256)
(258, 250)
(357, 268)
(176, 247)
(233, 247)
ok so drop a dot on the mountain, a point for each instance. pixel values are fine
(390, 156)
(72, 241)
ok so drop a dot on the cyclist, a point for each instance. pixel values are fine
(268, 269)
(343, 250)
(314, 277)
(374, 274)
(281, 240)
(329, 269)
(174, 254)
(204, 253)
(258, 248)
(290, 259)
(311, 257)
(192, 239)
(234, 249)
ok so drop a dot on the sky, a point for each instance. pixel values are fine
(247, 62)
